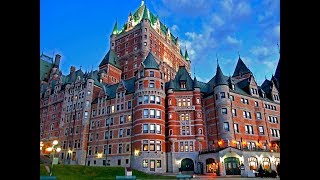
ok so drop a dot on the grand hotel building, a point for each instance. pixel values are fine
(142, 109)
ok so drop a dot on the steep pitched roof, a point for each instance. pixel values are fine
(115, 28)
(277, 73)
(241, 68)
(183, 75)
(195, 83)
(186, 56)
(111, 90)
(150, 62)
(266, 86)
(46, 63)
(220, 79)
(111, 58)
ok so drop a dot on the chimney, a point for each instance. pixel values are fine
(57, 60)
(72, 69)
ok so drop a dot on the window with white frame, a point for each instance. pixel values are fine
(236, 127)
(259, 115)
(226, 126)
(223, 110)
(261, 130)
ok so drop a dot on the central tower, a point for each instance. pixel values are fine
(143, 33)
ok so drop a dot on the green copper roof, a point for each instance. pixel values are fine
(150, 62)
(111, 90)
(196, 83)
(111, 58)
(181, 53)
(146, 13)
(186, 56)
(115, 28)
(46, 63)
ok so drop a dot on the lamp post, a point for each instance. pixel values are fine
(53, 149)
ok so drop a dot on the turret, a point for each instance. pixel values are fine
(223, 108)
(149, 116)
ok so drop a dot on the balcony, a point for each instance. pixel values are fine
(184, 108)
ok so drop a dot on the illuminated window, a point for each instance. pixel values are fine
(145, 163)
(253, 163)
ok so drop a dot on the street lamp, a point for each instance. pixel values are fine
(53, 149)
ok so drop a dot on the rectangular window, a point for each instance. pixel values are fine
(119, 162)
(256, 104)
(145, 99)
(158, 163)
(222, 95)
(151, 84)
(158, 100)
(146, 113)
(145, 145)
(223, 110)
(186, 146)
(181, 147)
(129, 118)
(259, 115)
(120, 150)
(121, 120)
(120, 133)
(140, 100)
(234, 112)
(242, 100)
(236, 127)
(128, 132)
(152, 145)
(129, 104)
(112, 109)
(86, 115)
(122, 106)
(145, 163)
(246, 101)
(158, 129)
(145, 128)
(231, 97)
(152, 113)
(118, 107)
(261, 130)
(140, 82)
(158, 114)
(226, 126)
(151, 73)
(109, 149)
(106, 135)
(110, 135)
(152, 128)
(152, 99)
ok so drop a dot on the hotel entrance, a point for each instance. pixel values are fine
(232, 166)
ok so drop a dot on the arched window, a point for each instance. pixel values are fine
(266, 163)
(276, 161)
(253, 163)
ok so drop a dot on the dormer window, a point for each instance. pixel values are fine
(183, 84)
(141, 74)
(151, 73)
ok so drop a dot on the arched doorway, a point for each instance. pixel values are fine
(232, 166)
(211, 166)
(187, 165)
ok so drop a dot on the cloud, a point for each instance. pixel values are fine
(190, 8)
(174, 29)
(260, 51)
(271, 65)
(216, 20)
(233, 41)
(276, 31)
(236, 9)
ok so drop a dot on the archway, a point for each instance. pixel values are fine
(253, 163)
(211, 166)
(187, 165)
(266, 163)
(232, 166)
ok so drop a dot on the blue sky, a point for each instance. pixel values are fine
(79, 30)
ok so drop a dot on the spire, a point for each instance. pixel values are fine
(115, 28)
(142, 2)
(196, 83)
(186, 56)
(219, 78)
(181, 53)
(145, 13)
(90, 75)
(241, 68)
